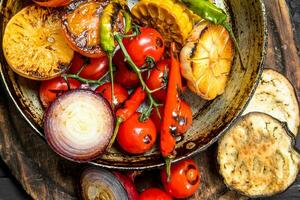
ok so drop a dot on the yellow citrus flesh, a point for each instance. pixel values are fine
(209, 62)
(173, 20)
(33, 44)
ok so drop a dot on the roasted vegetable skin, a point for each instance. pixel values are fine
(81, 26)
(33, 44)
(276, 96)
(206, 60)
(257, 156)
(52, 3)
(171, 18)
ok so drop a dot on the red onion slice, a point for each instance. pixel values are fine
(96, 183)
(78, 125)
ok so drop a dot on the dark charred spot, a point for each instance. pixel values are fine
(191, 167)
(173, 130)
(159, 42)
(147, 139)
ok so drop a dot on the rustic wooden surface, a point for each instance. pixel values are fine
(44, 175)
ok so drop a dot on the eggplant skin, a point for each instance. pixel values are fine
(257, 156)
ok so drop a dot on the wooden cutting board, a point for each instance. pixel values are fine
(44, 175)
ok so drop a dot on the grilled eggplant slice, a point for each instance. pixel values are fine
(276, 96)
(257, 157)
(33, 44)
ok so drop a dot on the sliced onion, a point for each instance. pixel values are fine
(97, 183)
(128, 185)
(78, 125)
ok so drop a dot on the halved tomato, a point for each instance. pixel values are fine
(81, 26)
(52, 3)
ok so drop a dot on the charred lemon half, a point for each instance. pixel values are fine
(33, 44)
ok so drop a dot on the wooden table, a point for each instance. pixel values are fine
(41, 184)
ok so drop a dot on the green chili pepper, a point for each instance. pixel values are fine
(107, 22)
(128, 21)
(210, 12)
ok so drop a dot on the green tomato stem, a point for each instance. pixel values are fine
(116, 130)
(111, 72)
(84, 80)
(137, 70)
(168, 161)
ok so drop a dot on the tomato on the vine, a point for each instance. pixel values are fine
(185, 179)
(135, 136)
(120, 93)
(51, 89)
(93, 68)
(154, 194)
(158, 79)
(148, 43)
(124, 76)
(52, 3)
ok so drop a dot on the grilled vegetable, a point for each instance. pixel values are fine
(51, 89)
(185, 179)
(52, 3)
(206, 60)
(124, 75)
(129, 108)
(172, 19)
(108, 23)
(213, 14)
(120, 93)
(79, 125)
(168, 129)
(89, 68)
(136, 136)
(33, 44)
(276, 96)
(81, 26)
(96, 183)
(154, 194)
(256, 156)
(128, 185)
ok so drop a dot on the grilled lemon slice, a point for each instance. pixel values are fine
(172, 19)
(206, 60)
(33, 44)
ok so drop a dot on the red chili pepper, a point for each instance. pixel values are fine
(168, 127)
(129, 108)
(131, 104)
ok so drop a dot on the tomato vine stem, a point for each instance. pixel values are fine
(137, 70)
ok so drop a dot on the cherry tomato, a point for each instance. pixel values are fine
(184, 118)
(52, 3)
(154, 194)
(156, 119)
(185, 179)
(94, 68)
(137, 137)
(121, 94)
(158, 78)
(51, 89)
(148, 43)
(124, 75)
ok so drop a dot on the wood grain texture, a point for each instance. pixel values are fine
(44, 175)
